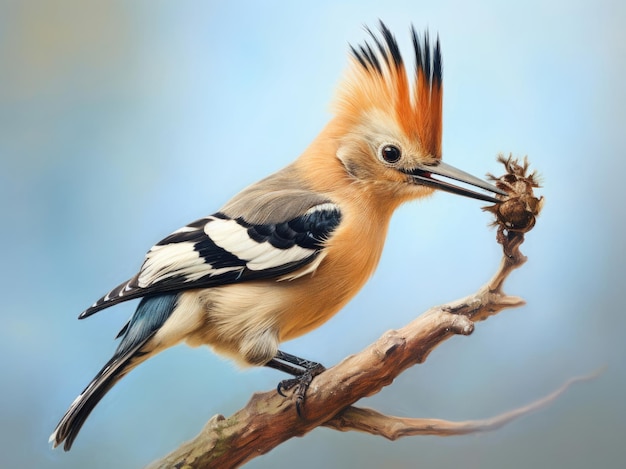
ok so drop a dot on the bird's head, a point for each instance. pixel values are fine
(392, 123)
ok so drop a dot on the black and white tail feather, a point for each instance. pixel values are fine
(151, 313)
(213, 251)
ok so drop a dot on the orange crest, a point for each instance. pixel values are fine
(379, 80)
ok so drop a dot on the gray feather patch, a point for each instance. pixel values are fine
(150, 315)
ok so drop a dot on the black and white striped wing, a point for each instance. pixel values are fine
(219, 250)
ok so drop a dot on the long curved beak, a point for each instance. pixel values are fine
(423, 174)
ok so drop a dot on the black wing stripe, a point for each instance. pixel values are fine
(218, 250)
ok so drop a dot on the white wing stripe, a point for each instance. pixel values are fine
(161, 262)
(275, 257)
(177, 259)
(234, 238)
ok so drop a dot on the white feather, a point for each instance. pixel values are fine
(234, 238)
(274, 257)
(168, 260)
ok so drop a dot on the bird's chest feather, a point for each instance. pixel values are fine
(350, 258)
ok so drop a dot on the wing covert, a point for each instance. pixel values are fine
(219, 250)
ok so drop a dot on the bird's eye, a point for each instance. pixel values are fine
(390, 153)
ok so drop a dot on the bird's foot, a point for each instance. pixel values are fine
(300, 384)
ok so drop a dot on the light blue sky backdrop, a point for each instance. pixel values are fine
(122, 121)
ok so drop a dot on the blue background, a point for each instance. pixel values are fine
(122, 121)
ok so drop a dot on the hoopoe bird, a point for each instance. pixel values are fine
(287, 253)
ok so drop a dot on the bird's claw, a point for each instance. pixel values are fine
(299, 384)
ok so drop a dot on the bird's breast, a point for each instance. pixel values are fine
(350, 257)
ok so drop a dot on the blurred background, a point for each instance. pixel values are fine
(122, 121)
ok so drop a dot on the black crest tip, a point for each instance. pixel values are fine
(431, 65)
(386, 48)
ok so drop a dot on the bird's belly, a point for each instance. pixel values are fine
(248, 320)
(314, 300)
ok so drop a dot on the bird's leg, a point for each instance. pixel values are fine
(303, 371)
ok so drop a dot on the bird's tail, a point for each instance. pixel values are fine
(133, 349)
(79, 410)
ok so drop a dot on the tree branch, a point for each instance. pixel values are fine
(392, 428)
(270, 419)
